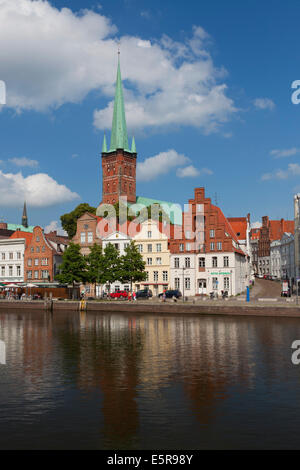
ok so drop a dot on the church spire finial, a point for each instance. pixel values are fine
(104, 145)
(119, 137)
(24, 216)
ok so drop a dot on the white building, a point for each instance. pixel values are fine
(12, 259)
(282, 257)
(120, 241)
(200, 274)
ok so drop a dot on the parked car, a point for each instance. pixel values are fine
(171, 293)
(119, 294)
(143, 294)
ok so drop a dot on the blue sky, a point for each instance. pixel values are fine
(207, 90)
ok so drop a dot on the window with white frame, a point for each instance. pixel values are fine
(181, 247)
(2, 270)
(226, 261)
(29, 262)
(165, 275)
(18, 270)
(155, 276)
(18, 255)
(215, 283)
(44, 261)
(176, 262)
(36, 261)
(149, 234)
(187, 283)
(212, 245)
(147, 275)
(214, 262)
(226, 282)
(11, 255)
(36, 274)
(158, 260)
(45, 274)
(29, 274)
(188, 247)
(82, 237)
(177, 282)
(187, 262)
(149, 261)
(212, 233)
(149, 248)
(158, 247)
(90, 237)
(219, 246)
(188, 234)
(201, 262)
(140, 248)
(10, 270)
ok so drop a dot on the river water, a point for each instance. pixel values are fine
(93, 381)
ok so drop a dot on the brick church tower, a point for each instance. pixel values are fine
(118, 163)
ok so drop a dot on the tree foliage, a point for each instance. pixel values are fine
(73, 267)
(96, 265)
(132, 266)
(111, 264)
(69, 220)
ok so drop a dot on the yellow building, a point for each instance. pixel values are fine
(153, 246)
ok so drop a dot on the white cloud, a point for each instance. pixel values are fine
(23, 161)
(284, 153)
(187, 172)
(191, 172)
(256, 225)
(49, 57)
(264, 103)
(160, 164)
(39, 190)
(145, 44)
(53, 226)
(293, 169)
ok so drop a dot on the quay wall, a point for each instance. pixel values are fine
(205, 308)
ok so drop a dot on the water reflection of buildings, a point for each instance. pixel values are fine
(130, 360)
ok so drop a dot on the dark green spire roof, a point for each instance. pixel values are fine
(119, 138)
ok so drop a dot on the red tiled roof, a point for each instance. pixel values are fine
(20, 234)
(239, 225)
(278, 227)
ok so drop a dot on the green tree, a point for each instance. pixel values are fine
(73, 267)
(111, 264)
(69, 220)
(132, 266)
(96, 266)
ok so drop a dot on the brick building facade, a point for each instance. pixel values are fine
(43, 256)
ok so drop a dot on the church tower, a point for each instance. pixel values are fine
(118, 162)
(24, 216)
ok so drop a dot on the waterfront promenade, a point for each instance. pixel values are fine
(199, 307)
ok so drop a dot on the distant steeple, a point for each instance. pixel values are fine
(133, 147)
(119, 137)
(24, 216)
(104, 145)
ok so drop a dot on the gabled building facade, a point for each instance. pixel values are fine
(208, 258)
(43, 256)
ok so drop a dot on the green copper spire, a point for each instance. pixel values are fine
(104, 146)
(133, 147)
(119, 138)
